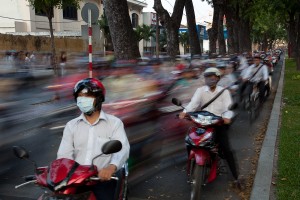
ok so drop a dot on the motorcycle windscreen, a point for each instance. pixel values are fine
(61, 169)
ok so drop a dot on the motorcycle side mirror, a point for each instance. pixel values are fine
(109, 147)
(176, 102)
(20, 152)
(112, 146)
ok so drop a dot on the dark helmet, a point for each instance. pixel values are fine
(94, 87)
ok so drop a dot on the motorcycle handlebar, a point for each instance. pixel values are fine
(29, 178)
(28, 182)
(98, 179)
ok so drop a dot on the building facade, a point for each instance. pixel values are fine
(18, 17)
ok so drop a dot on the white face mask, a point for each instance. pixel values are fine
(85, 104)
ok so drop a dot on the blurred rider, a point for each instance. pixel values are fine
(256, 73)
(220, 107)
(85, 135)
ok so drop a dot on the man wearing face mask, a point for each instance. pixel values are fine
(219, 106)
(85, 135)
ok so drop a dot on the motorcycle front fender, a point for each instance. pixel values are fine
(86, 195)
(201, 156)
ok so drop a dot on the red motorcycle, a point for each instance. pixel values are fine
(203, 153)
(69, 180)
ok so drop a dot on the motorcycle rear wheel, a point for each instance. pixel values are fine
(254, 109)
(197, 181)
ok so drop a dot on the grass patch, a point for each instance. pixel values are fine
(288, 183)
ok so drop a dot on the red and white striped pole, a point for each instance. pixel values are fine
(90, 43)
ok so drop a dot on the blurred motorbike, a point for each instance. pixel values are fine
(203, 153)
(69, 180)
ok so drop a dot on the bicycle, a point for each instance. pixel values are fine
(252, 101)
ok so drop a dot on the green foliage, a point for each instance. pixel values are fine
(47, 5)
(184, 39)
(138, 33)
(41, 4)
(163, 39)
(288, 179)
(144, 32)
(267, 25)
(103, 23)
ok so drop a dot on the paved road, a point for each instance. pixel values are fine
(164, 179)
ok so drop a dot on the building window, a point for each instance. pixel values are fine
(135, 20)
(70, 12)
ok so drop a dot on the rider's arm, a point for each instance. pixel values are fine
(246, 73)
(119, 158)
(195, 102)
(265, 73)
(227, 102)
(66, 148)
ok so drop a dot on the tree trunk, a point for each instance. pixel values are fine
(244, 36)
(236, 24)
(171, 24)
(292, 35)
(193, 34)
(236, 36)
(53, 57)
(230, 30)
(298, 42)
(221, 40)
(213, 31)
(265, 42)
(172, 41)
(124, 42)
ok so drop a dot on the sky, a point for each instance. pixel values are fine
(203, 11)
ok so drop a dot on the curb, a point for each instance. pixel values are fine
(263, 178)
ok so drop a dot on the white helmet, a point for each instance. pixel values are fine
(212, 71)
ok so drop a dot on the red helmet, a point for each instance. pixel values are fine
(93, 87)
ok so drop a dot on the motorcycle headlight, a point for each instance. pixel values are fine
(189, 141)
(203, 120)
(207, 136)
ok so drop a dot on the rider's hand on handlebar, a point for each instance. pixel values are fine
(182, 115)
(227, 120)
(107, 172)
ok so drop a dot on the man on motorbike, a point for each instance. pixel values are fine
(220, 107)
(85, 135)
(256, 73)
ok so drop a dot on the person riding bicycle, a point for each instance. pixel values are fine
(84, 136)
(258, 74)
(220, 107)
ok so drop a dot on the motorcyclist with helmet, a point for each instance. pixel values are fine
(84, 136)
(220, 107)
(256, 73)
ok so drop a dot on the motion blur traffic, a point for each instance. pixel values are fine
(139, 92)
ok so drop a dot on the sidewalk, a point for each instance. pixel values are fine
(263, 178)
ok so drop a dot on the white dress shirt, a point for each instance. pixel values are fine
(83, 141)
(261, 75)
(203, 94)
(227, 81)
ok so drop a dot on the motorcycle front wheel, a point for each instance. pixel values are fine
(197, 181)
